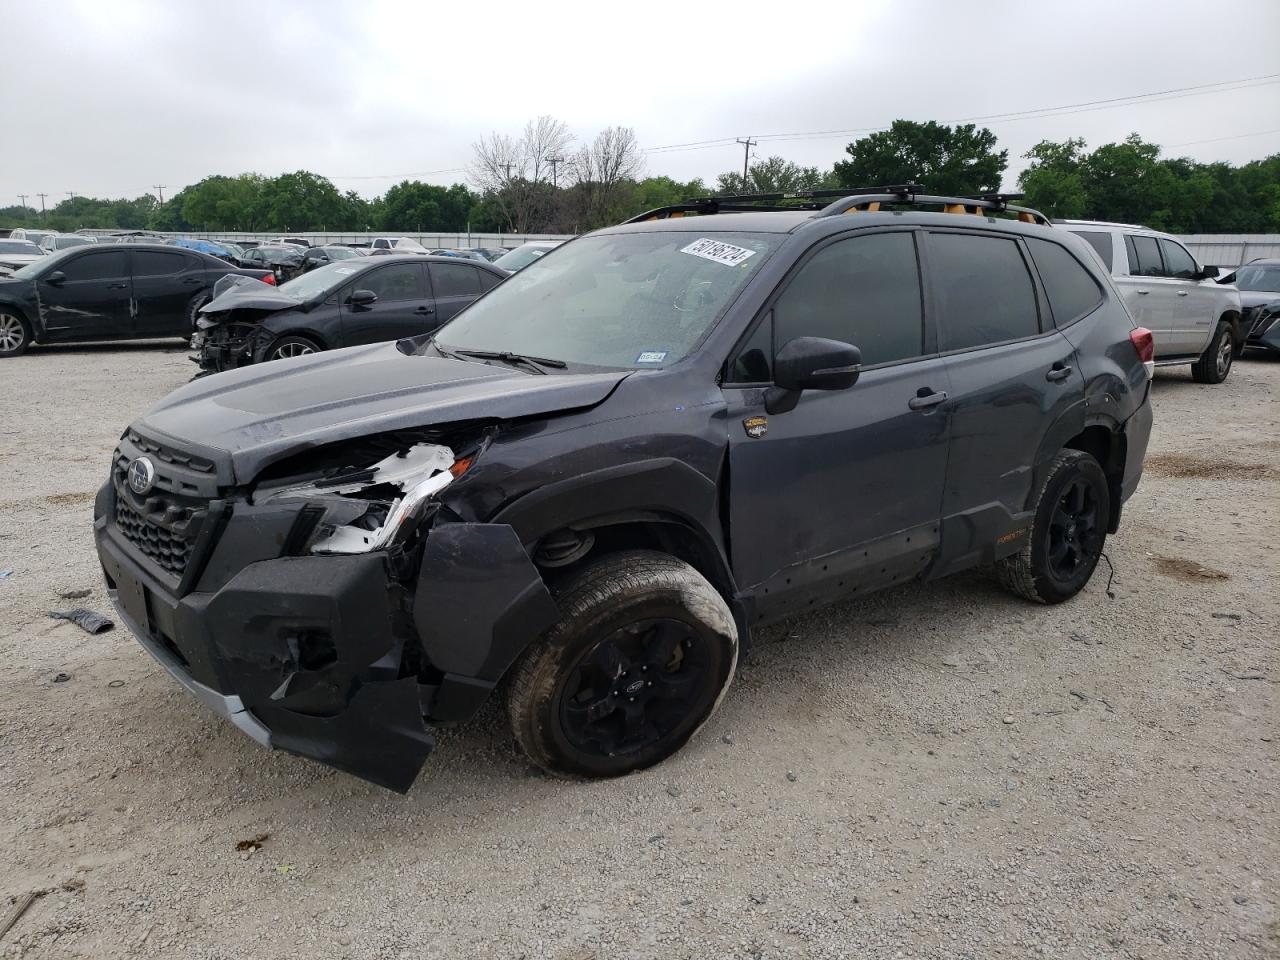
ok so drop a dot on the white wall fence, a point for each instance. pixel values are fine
(1232, 249)
(432, 241)
(1221, 249)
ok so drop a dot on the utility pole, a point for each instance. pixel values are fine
(41, 196)
(159, 187)
(71, 195)
(554, 161)
(507, 167)
(23, 198)
(747, 144)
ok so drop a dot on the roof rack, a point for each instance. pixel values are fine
(862, 199)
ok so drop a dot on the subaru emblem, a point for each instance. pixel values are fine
(142, 476)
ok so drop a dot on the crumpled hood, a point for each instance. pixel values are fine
(245, 419)
(1255, 298)
(245, 293)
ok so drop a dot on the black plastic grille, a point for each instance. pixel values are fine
(169, 548)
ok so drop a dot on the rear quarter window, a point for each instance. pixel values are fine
(1101, 242)
(1071, 289)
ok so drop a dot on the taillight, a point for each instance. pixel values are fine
(270, 279)
(1145, 344)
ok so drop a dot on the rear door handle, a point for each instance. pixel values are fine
(1058, 372)
(1182, 293)
(425, 310)
(116, 286)
(192, 280)
(926, 398)
(1144, 292)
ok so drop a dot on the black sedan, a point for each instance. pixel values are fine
(330, 253)
(362, 300)
(108, 293)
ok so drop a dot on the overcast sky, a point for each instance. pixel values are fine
(110, 97)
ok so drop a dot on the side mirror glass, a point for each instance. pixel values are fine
(56, 278)
(1208, 272)
(811, 363)
(362, 298)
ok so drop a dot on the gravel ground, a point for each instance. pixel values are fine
(936, 771)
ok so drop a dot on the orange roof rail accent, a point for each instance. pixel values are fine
(954, 208)
(871, 207)
(1027, 218)
(676, 215)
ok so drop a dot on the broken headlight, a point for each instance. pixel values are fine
(376, 506)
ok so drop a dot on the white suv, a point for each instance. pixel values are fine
(1193, 319)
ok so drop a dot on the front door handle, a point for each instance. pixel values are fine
(190, 281)
(926, 398)
(1144, 292)
(116, 286)
(1182, 293)
(425, 310)
(1058, 372)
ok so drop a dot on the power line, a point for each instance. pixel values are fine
(1225, 86)
(1238, 136)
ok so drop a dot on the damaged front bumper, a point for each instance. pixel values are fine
(331, 657)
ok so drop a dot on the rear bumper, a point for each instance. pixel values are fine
(1137, 434)
(329, 657)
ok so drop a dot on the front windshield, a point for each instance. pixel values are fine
(36, 267)
(631, 300)
(20, 246)
(1258, 277)
(520, 257)
(64, 242)
(340, 253)
(317, 281)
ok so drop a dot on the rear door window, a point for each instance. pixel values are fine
(154, 263)
(1177, 262)
(1144, 256)
(488, 280)
(454, 280)
(983, 289)
(1071, 289)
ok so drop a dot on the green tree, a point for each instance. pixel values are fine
(1052, 182)
(1126, 182)
(958, 160)
(415, 206)
(301, 201)
(774, 175)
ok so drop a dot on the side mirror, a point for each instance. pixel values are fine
(362, 298)
(811, 363)
(57, 278)
(1208, 272)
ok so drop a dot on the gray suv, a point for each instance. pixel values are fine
(588, 489)
(1193, 319)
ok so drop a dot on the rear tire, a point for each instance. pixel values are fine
(15, 333)
(641, 657)
(193, 310)
(292, 346)
(1215, 363)
(1067, 533)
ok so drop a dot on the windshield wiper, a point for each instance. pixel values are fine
(506, 356)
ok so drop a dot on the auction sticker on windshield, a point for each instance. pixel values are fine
(717, 251)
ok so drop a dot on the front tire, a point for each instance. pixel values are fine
(1215, 363)
(1067, 532)
(15, 333)
(292, 346)
(640, 659)
(193, 310)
